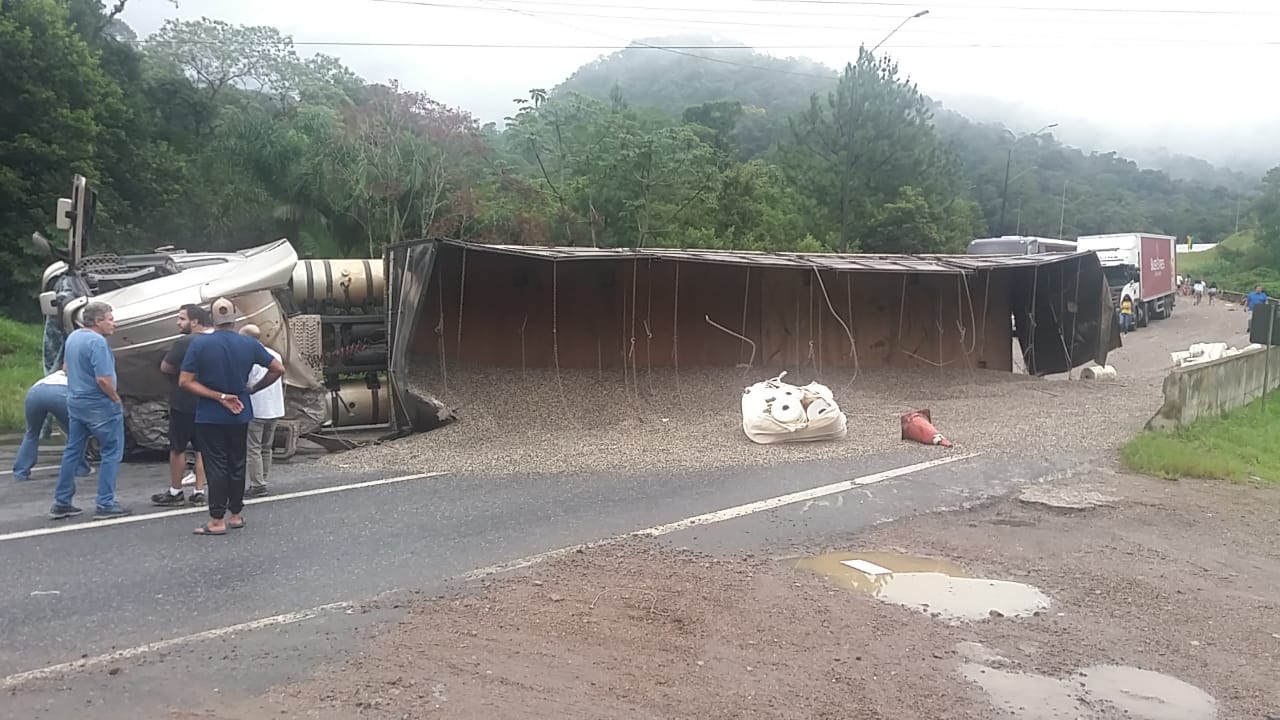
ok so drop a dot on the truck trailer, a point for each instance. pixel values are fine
(1019, 245)
(1140, 267)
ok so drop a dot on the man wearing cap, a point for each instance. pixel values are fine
(216, 370)
(268, 408)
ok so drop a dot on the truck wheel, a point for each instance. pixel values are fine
(1141, 316)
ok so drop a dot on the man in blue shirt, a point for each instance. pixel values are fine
(1252, 301)
(93, 409)
(216, 370)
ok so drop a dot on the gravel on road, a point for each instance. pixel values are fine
(538, 421)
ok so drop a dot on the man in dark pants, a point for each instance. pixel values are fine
(216, 370)
(193, 321)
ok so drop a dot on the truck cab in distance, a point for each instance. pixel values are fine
(1139, 267)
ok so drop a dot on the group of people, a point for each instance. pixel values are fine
(1199, 288)
(225, 399)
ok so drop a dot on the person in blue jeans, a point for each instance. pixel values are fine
(93, 409)
(47, 397)
(1252, 301)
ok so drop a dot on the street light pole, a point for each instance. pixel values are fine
(1062, 219)
(892, 32)
(1004, 194)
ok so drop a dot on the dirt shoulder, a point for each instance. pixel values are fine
(1179, 578)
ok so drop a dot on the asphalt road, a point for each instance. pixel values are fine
(144, 588)
(98, 589)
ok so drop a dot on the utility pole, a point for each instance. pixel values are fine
(1004, 194)
(1062, 218)
(1008, 163)
(894, 31)
(1237, 214)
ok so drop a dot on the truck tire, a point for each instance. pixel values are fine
(1142, 314)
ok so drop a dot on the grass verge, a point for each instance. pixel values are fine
(20, 353)
(1242, 446)
(1236, 264)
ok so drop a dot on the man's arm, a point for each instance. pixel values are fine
(188, 382)
(108, 388)
(100, 360)
(171, 364)
(274, 372)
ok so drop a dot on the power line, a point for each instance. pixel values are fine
(1026, 8)
(599, 16)
(752, 48)
(721, 61)
(935, 13)
(539, 14)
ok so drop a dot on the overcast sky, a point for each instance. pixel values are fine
(1156, 65)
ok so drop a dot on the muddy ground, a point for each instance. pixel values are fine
(1176, 578)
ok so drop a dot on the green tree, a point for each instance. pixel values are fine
(1266, 210)
(871, 136)
(617, 177)
(51, 125)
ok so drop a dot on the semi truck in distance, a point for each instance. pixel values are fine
(1139, 267)
(1019, 245)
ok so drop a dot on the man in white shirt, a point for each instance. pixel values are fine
(268, 408)
(47, 397)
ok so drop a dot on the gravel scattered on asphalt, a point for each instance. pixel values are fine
(583, 421)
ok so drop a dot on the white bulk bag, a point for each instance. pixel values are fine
(774, 411)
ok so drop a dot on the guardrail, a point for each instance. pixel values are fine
(1235, 298)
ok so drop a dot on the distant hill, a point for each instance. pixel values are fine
(672, 81)
(1236, 159)
(1055, 189)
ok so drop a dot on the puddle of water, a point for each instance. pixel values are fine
(831, 567)
(935, 586)
(1148, 695)
(1026, 697)
(1092, 693)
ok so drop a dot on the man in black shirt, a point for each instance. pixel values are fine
(192, 320)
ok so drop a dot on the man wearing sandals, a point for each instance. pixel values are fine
(216, 370)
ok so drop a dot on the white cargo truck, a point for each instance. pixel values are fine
(1140, 268)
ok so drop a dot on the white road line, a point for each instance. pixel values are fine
(38, 467)
(72, 527)
(293, 617)
(721, 515)
(83, 663)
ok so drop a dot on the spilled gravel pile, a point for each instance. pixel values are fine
(584, 421)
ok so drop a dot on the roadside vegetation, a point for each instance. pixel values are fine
(236, 136)
(19, 368)
(1243, 446)
(1237, 264)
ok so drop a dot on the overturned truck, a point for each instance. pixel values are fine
(473, 304)
(351, 330)
(326, 318)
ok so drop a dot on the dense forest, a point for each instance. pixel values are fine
(214, 136)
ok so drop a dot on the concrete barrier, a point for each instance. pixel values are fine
(1215, 387)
